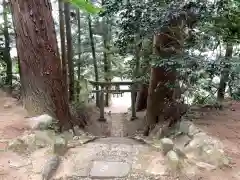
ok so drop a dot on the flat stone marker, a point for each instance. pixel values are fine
(106, 169)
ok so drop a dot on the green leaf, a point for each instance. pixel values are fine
(86, 6)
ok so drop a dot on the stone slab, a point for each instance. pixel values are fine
(107, 169)
(116, 140)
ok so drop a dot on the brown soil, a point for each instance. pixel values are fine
(12, 124)
(221, 124)
(225, 125)
(12, 118)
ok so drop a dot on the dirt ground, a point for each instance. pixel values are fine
(224, 125)
(12, 119)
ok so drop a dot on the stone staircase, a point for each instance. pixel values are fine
(113, 158)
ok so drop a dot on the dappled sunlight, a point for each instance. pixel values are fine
(120, 104)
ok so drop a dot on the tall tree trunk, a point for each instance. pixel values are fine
(138, 47)
(225, 72)
(141, 99)
(137, 53)
(79, 54)
(63, 41)
(69, 51)
(106, 58)
(159, 93)
(6, 54)
(230, 84)
(163, 78)
(21, 95)
(94, 57)
(42, 78)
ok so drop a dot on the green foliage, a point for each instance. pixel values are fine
(86, 6)
(133, 23)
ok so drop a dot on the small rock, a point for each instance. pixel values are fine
(167, 145)
(156, 133)
(173, 159)
(17, 145)
(184, 126)
(50, 167)
(214, 156)
(203, 165)
(193, 130)
(39, 158)
(67, 135)
(206, 149)
(80, 140)
(7, 106)
(46, 137)
(38, 140)
(78, 131)
(201, 140)
(75, 138)
(42, 122)
(19, 164)
(180, 153)
(143, 139)
(181, 141)
(60, 146)
(30, 141)
(196, 143)
(157, 144)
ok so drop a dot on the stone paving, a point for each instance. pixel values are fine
(112, 158)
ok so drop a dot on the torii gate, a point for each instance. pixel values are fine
(117, 90)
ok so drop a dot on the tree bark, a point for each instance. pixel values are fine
(94, 58)
(78, 90)
(225, 72)
(163, 78)
(141, 99)
(144, 70)
(106, 62)
(106, 59)
(6, 54)
(42, 78)
(159, 93)
(21, 95)
(69, 51)
(63, 41)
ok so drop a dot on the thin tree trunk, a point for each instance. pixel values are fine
(141, 100)
(94, 57)
(7, 57)
(69, 51)
(136, 72)
(225, 72)
(138, 47)
(79, 54)
(21, 95)
(106, 59)
(37, 48)
(230, 84)
(63, 41)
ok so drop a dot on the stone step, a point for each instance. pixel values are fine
(117, 140)
(105, 169)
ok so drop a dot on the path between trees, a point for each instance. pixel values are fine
(113, 157)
